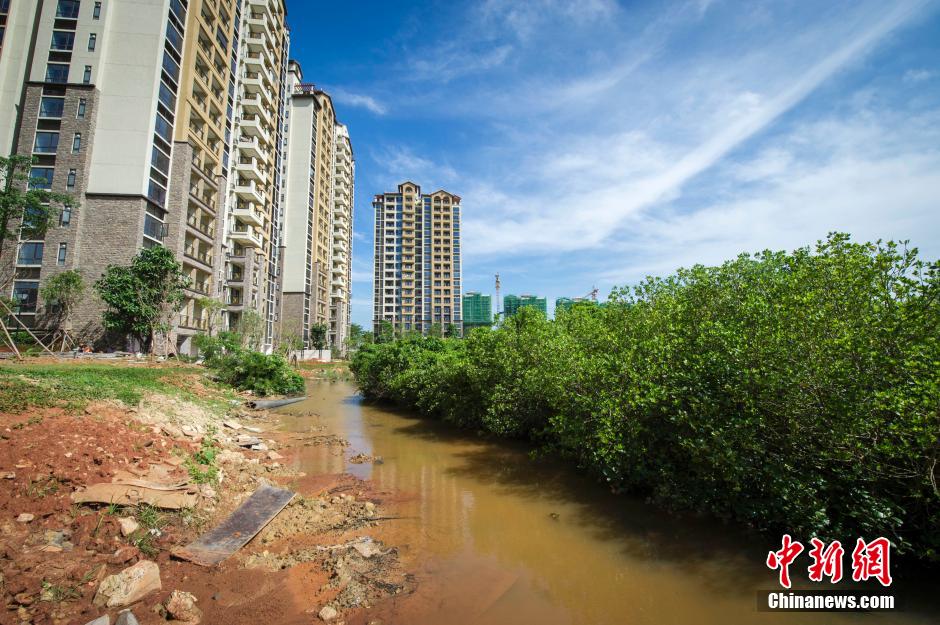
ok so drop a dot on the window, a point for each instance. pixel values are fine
(153, 227)
(25, 296)
(51, 107)
(57, 72)
(65, 217)
(70, 181)
(96, 14)
(63, 250)
(92, 40)
(87, 77)
(80, 113)
(77, 143)
(40, 178)
(63, 39)
(67, 8)
(46, 142)
(30, 254)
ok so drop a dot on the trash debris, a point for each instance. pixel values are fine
(130, 585)
(238, 529)
(131, 495)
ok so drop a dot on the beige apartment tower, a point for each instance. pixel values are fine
(253, 202)
(317, 217)
(417, 271)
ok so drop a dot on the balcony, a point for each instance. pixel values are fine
(195, 254)
(248, 214)
(253, 126)
(340, 246)
(245, 235)
(201, 226)
(248, 168)
(250, 191)
(195, 323)
(251, 146)
(252, 103)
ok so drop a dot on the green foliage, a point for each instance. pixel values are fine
(318, 332)
(140, 297)
(212, 348)
(202, 465)
(25, 206)
(251, 329)
(796, 392)
(260, 373)
(62, 292)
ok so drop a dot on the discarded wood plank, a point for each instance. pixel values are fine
(130, 495)
(178, 486)
(238, 529)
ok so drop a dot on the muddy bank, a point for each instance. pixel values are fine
(323, 557)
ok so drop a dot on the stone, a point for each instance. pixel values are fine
(101, 620)
(370, 507)
(25, 517)
(128, 525)
(181, 606)
(273, 455)
(130, 585)
(328, 613)
(232, 424)
(126, 617)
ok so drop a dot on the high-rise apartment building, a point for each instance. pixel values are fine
(344, 175)
(319, 181)
(99, 111)
(166, 120)
(512, 304)
(477, 311)
(417, 272)
(253, 202)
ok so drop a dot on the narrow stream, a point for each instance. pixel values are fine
(495, 537)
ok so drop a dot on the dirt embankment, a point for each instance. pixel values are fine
(321, 558)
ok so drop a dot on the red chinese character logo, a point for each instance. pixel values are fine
(783, 558)
(827, 561)
(872, 560)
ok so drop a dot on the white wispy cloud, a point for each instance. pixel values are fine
(918, 75)
(359, 100)
(400, 163)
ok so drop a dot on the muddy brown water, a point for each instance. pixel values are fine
(496, 537)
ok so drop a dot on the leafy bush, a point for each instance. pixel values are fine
(796, 392)
(260, 373)
(212, 348)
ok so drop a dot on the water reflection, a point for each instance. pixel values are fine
(505, 539)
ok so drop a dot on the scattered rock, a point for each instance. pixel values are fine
(124, 555)
(182, 607)
(126, 617)
(9, 476)
(328, 613)
(232, 424)
(101, 620)
(253, 429)
(25, 517)
(273, 455)
(128, 525)
(370, 507)
(361, 459)
(243, 440)
(128, 586)
(260, 447)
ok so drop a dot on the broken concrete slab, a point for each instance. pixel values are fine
(130, 495)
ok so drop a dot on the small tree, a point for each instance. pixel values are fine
(386, 332)
(142, 297)
(213, 309)
(251, 328)
(26, 207)
(291, 340)
(60, 295)
(318, 332)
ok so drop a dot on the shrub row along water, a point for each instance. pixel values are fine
(795, 392)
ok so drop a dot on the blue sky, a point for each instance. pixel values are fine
(596, 142)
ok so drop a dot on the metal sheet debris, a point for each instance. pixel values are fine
(238, 529)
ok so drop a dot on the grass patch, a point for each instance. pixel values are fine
(72, 386)
(202, 465)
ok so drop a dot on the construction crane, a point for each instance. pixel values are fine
(497, 296)
(592, 294)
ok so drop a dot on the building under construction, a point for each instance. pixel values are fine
(477, 311)
(512, 304)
